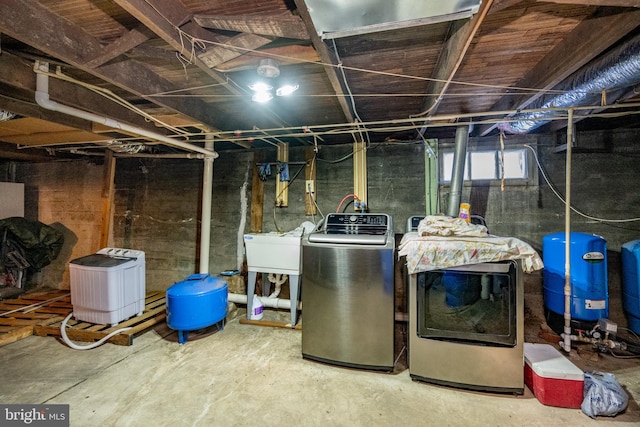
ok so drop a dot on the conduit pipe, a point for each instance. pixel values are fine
(457, 175)
(205, 220)
(566, 343)
(43, 100)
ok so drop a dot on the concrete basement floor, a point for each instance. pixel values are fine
(250, 375)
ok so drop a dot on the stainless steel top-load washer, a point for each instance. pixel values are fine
(348, 291)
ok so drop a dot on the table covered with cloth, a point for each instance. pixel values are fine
(444, 242)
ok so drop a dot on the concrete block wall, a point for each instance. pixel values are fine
(65, 195)
(157, 201)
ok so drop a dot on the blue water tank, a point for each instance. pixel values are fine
(460, 288)
(195, 303)
(589, 282)
(631, 283)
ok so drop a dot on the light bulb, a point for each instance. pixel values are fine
(260, 87)
(286, 90)
(262, 96)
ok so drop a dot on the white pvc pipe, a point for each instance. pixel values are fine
(42, 99)
(205, 224)
(267, 302)
(566, 344)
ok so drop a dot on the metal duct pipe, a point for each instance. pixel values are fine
(618, 70)
(457, 175)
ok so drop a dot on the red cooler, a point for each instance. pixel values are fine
(552, 378)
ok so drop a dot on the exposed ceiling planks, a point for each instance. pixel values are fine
(190, 63)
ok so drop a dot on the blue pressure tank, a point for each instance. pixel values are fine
(460, 288)
(589, 282)
(631, 283)
(195, 303)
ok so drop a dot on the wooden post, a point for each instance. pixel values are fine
(310, 181)
(257, 196)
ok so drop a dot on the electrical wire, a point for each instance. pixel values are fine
(562, 199)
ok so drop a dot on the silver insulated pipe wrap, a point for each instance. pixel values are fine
(618, 70)
(457, 174)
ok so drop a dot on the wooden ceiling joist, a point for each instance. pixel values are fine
(125, 43)
(216, 55)
(288, 26)
(61, 39)
(589, 39)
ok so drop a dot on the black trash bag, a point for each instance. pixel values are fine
(603, 395)
(38, 243)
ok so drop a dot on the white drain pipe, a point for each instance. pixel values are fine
(266, 301)
(205, 220)
(43, 100)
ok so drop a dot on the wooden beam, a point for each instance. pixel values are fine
(590, 38)
(499, 5)
(293, 54)
(18, 74)
(61, 39)
(453, 53)
(288, 26)
(257, 196)
(164, 19)
(10, 152)
(325, 58)
(125, 43)
(621, 3)
(169, 21)
(216, 55)
(310, 177)
(40, 138)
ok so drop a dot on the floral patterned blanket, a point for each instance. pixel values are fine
(432, 252)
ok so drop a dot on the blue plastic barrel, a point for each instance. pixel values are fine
(631, 283)
(195, 303)
(461, 288)
(589, 282)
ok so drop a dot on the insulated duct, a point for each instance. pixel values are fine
(617, 70)
(457, 175)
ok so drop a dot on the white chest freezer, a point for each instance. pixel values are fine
(109, 286)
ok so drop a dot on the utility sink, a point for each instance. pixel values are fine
(274, 252)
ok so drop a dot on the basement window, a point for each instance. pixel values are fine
(488, 165)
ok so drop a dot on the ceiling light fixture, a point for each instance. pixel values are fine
(262, 97)
(268, 68)
(286, 90)
(260, 87)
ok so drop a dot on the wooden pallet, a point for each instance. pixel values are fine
(20, 315)
(154, 312)
(42, 314)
